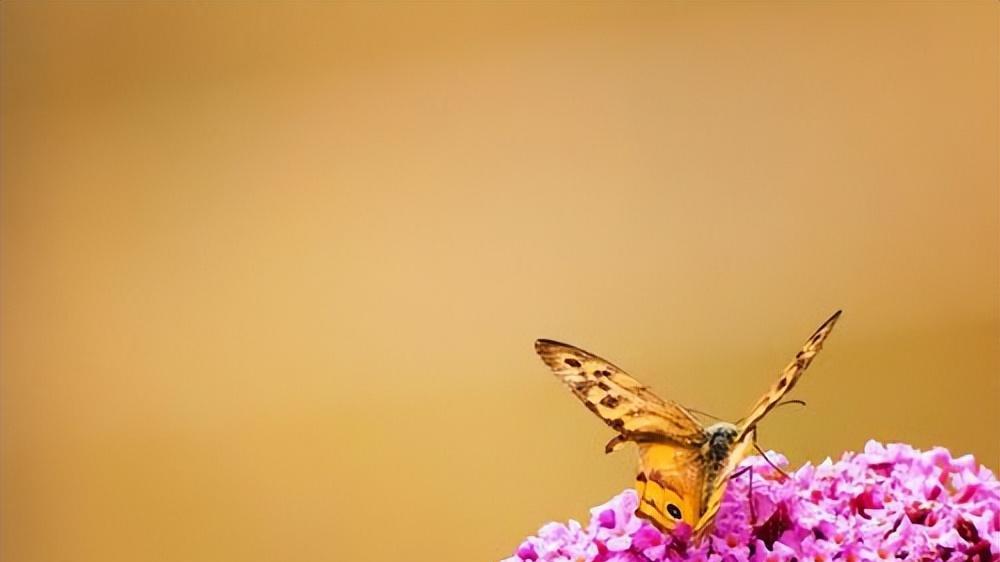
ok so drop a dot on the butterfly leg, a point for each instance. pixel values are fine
(615, 444)
(753, 506)
(741, 472)
(763, 454)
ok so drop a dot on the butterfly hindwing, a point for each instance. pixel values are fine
(669, 484)
(622, 402)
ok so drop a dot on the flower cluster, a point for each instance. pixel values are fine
(891, 502)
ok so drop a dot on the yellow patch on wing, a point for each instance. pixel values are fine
(669, 484)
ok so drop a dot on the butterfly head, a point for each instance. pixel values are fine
(721, 437)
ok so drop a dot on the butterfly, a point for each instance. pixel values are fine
(683, 465)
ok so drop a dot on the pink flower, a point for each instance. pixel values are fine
(887, 503)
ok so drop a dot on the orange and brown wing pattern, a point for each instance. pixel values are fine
(670, 483)
(622, 402)
(789, 376)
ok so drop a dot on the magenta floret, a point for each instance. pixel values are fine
(888, 503)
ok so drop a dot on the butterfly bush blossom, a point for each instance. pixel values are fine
(891, 502)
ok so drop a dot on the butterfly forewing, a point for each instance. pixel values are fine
(622, 402)
(715, 487)
(789, 376)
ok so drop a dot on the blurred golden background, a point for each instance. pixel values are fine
(271, 273)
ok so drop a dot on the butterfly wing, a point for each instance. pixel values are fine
(622, 402)
(716, 486)
(670, 483)
(788, 377)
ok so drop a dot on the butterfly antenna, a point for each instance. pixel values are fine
(706, 414)
(787, 402)
(776, 406)
(774, 466)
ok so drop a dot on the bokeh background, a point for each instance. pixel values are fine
(271, 273)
